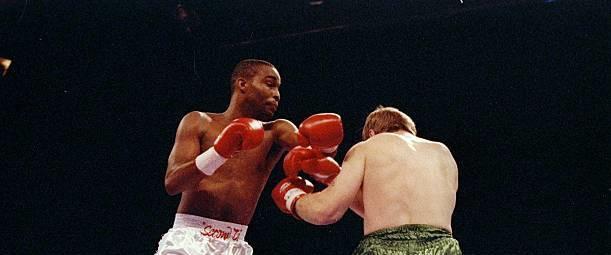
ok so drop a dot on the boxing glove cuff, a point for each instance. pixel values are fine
(293, 204)
(209, 161)
(291, 198)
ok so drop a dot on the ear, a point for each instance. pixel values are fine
(371, 133)
(241, 84)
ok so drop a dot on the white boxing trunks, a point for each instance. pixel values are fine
(195, 235)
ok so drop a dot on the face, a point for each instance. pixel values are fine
(263, 93)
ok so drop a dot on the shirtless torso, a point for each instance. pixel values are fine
(391, 179)
(407, 180)
(232, 192)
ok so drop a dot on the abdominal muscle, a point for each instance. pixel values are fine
(232, 192)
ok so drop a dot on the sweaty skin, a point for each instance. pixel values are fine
(232, 191)
(391, 179)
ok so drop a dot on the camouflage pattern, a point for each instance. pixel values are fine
(408, 239)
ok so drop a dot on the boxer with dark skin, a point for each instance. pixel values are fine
(220, 162)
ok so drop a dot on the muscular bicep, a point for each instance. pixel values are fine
(187, 142)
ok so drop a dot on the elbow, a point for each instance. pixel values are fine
(319, 211)
(326, 216)
(170, 187)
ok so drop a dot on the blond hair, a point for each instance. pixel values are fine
(388, 119)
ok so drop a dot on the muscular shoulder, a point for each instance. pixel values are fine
(434, 148)
(445, 153)
(284, 132)
(377, 147)
(280, 123)
(280, 126)
(195, 121)
(386, 141)
(358, 149)
(197, 118)
(381, 141)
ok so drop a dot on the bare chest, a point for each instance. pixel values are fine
(253, 165)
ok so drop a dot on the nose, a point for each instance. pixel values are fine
(276, 95)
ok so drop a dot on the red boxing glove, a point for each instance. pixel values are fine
(323, 170)
(240, 134)
(323, 131)
(288, 191)
(294, 159)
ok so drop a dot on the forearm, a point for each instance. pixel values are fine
(289, 139)
(183, 177)
(186, 176)
(313, 209)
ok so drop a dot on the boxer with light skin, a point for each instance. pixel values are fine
(403, 186)
(220, 162)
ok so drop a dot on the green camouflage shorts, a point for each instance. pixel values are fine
(408, 239)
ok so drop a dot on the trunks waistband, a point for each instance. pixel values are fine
(410, 232)
(211, 228)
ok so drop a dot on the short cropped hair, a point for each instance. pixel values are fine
(388, 119)
(247, 69)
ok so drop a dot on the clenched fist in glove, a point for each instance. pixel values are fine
(312, 162)
(288, 191)
(240, 134)
(323, 131)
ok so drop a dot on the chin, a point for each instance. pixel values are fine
(265, 116)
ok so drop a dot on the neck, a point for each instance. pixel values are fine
(233, 111)
(404, 133)
(237, 109)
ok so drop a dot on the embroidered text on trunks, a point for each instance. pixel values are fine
(211, 231)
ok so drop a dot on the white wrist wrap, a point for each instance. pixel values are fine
(291, 195)
(209, 161)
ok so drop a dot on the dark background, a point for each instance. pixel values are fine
(519, 92)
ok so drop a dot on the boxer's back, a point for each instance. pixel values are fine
(408, 180)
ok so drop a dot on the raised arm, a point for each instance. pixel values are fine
(329, 205)
(286, 133)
